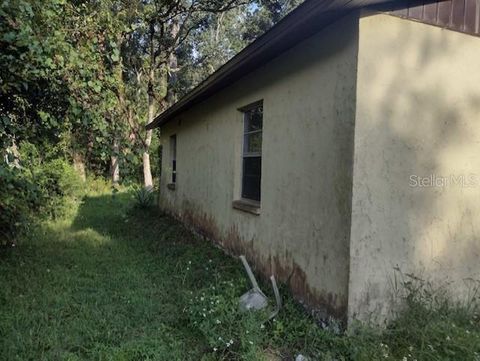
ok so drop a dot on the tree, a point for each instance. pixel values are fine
(81, 79)
(163, 28)
(32, 52)
(265, 14)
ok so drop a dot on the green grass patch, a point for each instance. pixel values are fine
(115, 282)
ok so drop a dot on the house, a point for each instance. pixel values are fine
(339, 152)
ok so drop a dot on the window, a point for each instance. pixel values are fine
(173, 157)
(252, 151)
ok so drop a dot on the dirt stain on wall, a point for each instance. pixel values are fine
(322, 305)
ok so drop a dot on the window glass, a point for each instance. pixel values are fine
(252, 152)
(173, 157)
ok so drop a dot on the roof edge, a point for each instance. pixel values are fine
(306, 20)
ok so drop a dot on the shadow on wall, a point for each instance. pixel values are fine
(417, 169)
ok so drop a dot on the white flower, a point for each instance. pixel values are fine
(214, 349)
(404, 358)
(262, 326)
(218, 322)
(250, 342)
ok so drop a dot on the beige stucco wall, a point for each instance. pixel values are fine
(418, 114)
(309, 107)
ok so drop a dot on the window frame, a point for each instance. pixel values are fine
(246, 154)
(173, 159)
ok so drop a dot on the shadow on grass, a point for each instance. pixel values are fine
(96, 287)
(115, 283)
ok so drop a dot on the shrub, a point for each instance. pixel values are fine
(60, 186)
(144, 197)
(34, 190)
(19, 200)
(98, 185)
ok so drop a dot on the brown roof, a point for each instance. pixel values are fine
(308, 19)
(459, 15)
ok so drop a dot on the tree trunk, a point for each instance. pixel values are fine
(79, 164)
(15, 155)
(147, 171)
(173, 67)
(115, 165)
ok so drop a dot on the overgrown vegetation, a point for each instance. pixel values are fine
(116, 282)
(35, 189)
(99, 274)
(89, 75)
(144, 197)
(79, 80)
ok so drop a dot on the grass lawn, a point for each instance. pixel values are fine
(114, 283)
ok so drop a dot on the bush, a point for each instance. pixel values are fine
(98, 185)
(60, 186)
(34, 190)
(58, 182)
(19, 200)
(144, 197)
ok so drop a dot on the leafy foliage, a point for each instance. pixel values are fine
(79, 81)
(35, 189)
(144, 197)
(91, 74)
(19, 200)
(60, 186)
